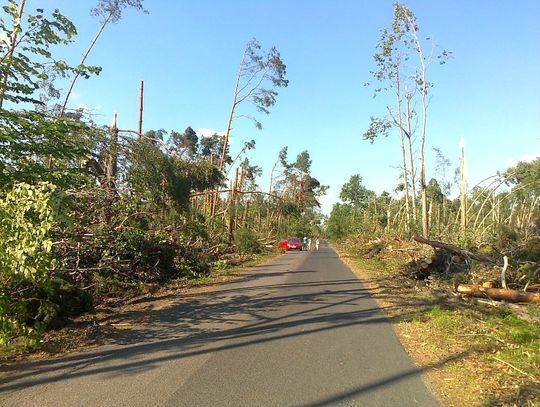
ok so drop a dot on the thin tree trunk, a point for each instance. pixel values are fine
(141, 107)
(111, 168)
(232, 207)
(422, 178)
(401, 139)
(83, 60)
(411, 157)
(231, 114)
(11, 49)
(463, 192)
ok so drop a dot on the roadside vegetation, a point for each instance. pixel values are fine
(90, 213)
(95, 215)
(458, 273)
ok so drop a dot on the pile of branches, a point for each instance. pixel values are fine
(496, 278)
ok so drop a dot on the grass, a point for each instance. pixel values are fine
(471, 354)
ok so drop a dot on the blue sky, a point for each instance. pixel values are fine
(187, 52)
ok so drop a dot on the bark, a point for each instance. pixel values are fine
(499, 294)
(402, 142)
(231, 114)
(422, 178)
(455, 250)
(463, 192)
(141, 107)
(411, 157)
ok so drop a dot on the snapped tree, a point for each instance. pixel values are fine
(396, 49)
(259, 74)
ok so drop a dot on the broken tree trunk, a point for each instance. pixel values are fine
(455, 250)
(499, 294)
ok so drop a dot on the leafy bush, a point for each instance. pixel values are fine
(27, 214)
(246, 241)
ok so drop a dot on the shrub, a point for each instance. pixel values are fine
(246, 241)
(27, 214)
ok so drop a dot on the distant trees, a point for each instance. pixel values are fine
(355, 194)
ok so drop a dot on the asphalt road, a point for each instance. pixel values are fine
(299, 331)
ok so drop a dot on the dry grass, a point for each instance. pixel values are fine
(471, 354)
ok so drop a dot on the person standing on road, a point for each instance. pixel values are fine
(317, 244)
(304, 243)
(309, 244)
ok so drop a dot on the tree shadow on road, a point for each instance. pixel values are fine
(249, 311)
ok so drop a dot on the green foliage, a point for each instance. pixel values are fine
(165, 180)
(154, 176)
(246, 241)
(260, 69)
(526, 176)
(26, 216)
(29, 62)
(340, 223)
(434, 192)
(113, 9)
(29, 139)
(355, 194)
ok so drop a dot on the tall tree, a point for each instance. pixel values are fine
(356, 194)
(389, 59)
(110, 11)
(256, 72)
(409, 82)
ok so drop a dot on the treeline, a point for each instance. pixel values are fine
(504, 213)
(500, 216)
(86, 209)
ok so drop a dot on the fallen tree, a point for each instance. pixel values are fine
(498, 294)
(455, 250)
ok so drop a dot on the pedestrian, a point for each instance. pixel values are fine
(317, 244)
(304, 243)
(309, 244)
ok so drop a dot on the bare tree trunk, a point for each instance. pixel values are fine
(83, 60)
(430, 213)
(463, 192)
(231, 114)
(111, 168)
(411, 156)
(141, 107)
(245, 220)
(422, 178)
(11, 49)
(232, 208)
(439, 219)
(401, 139)
(498, 294)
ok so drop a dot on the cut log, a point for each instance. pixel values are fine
(455, 250)
(498, 294)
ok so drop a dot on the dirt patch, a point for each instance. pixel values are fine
(465, 354)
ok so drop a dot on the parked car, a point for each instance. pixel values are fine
(283, 245)
(294, 244)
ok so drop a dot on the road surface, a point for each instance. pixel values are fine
(298, 331)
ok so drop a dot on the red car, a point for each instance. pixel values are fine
(294, 244)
